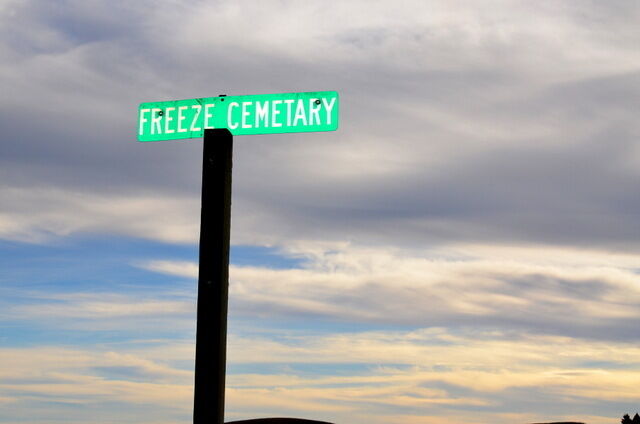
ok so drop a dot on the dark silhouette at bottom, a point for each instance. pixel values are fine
(562, 422)
(278, 421)
(627, 420)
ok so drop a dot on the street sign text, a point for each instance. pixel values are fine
(242, 115)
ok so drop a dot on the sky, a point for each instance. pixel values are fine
(465, 248)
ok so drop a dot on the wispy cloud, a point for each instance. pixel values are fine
(428, 373)
(149, 216)
(181, 268)
(581, 293)
(100, 307)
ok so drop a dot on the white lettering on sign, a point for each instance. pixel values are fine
(198, 109)
(270, 113)
(289, 102)
(242, 115)
(245, 114)
(274, 113)
(329, 107)
(181, 118)
(168, 119)
(143, 120)
(314, 110)
(232, 125)
(208, 115)
(156, 117)
(262, 113)
(300, 113)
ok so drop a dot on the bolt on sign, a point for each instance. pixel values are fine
(241, 115)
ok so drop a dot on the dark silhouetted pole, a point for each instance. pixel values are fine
(213, 278)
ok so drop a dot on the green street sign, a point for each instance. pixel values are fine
(242, 115)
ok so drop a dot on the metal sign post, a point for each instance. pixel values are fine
(213, 278)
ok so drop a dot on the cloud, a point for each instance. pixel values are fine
(482, 354)
(449, 375)
(432, 374)
(181, 268)
(474, 123)
(106, 307)
(587, 294)
(40, 214)
(120, 316)
(48, 381)
(477, 332)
